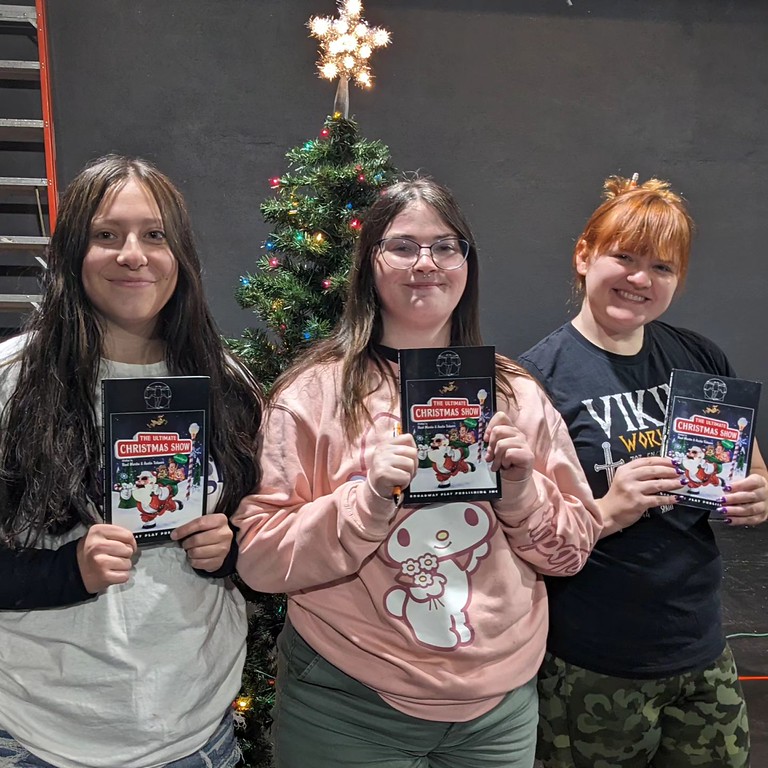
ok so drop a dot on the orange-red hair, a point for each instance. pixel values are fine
(642, 219)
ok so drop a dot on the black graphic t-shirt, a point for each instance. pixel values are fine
(647, 602)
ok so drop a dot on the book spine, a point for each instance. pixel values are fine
(106, 453)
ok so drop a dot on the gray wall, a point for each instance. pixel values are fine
(521, 106)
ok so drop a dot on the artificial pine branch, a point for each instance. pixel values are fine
(296, 292)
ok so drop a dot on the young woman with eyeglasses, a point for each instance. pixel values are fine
(413, 634)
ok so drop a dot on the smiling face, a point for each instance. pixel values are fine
(437, 442)
(623, 291)
(417, 303)
(128, 272)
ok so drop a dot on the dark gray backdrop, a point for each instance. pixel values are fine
(521, 106)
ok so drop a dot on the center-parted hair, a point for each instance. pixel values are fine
(360, 328)
(51, 448)
(645, 219)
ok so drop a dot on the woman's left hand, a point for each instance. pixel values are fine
(747, 501)
(207, 541)
(508, 448)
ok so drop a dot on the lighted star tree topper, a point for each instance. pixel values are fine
(346, 45)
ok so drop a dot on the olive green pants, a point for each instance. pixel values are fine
(588, 720)
(325, 719)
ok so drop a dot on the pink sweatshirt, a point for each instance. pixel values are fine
(440, 632)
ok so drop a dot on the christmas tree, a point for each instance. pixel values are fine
(317, 210)
(298, 288)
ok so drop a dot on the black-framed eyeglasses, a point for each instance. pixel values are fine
(402, 253)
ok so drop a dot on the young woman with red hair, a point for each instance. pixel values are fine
(638, 672)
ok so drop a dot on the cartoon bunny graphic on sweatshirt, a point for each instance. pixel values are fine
(436, 548)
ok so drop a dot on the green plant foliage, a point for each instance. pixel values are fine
(297, 290)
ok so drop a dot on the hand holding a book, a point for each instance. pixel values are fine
(206, 540)
(746, 503)
(637, 486)
(393, 465)
(104, 556)
(508, 450)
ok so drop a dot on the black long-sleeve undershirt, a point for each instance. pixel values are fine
(40, 578)
(32, 579)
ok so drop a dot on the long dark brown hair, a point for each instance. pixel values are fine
(360, 328)
(51, 448)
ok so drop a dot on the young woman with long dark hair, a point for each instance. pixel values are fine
(111, 655)
(413, 634)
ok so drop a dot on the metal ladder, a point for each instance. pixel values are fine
(28, 199)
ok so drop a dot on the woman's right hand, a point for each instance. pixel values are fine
(104, 556)
(637, 486)
(393, 465)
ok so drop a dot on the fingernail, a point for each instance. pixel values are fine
(727, 488)
(683, 481)
(676, 462)
(727, 521)
(679, 470)
(722, 510)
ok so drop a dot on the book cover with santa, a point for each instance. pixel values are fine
(709, 431)
(155, 453)
(447, 398)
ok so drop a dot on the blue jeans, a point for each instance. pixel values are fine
(220, 751)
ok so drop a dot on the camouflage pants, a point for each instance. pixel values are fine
(588, 720)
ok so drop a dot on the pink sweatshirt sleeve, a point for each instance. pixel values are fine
(550, 519)
(301, 530)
